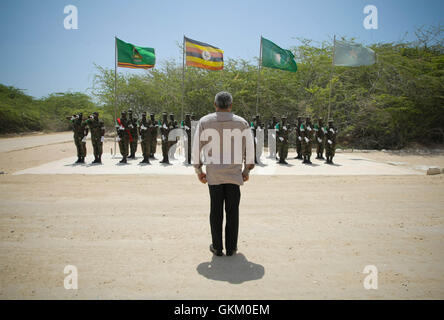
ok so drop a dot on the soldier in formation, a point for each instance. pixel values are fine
(272, 126)
(282, 133)
(145, 138)
(299, 139)
(97, 128)
(133, 130)
(164, 130)
(153, 135)
(187, 128)
(256, 127)
(172, 124)
(307, 141)
(320, 131)
(330, 143)
(80, 130)
(123, 136)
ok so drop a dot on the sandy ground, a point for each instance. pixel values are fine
(147, 236)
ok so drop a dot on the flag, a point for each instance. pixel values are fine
(349, 54)
(275, 57)
(131, 56)
(203, 55)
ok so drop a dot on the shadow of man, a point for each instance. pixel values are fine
(235, 269)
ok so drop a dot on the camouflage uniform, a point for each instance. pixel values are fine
(97, 129)
(307, 141)
(187, 128)
(272, 126)
(145, 138)
(319, 136)
(153, 135)
(257, 128)
(282, 134)
(123, 136)
(164, 131)
(172, 145)
(80, 132)
(330, 144)
(299, 139)
(132, 126)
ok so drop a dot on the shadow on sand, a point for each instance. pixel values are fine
(235, 269)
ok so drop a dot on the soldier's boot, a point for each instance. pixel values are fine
(123, 160)
(82, 160)
(304, 159)
(145, 160)
(95, 159)
(331, 160)
(99, 159)
(78, 160)
(308, 160)
(165, 160)
(328, 160)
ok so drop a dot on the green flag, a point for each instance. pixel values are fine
(131, 56)
(349, 54)
(275, 57)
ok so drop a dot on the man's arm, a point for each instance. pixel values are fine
(196, 152)
(248, 154)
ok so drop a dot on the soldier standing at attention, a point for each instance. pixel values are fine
(257, 129)
(80, 132)
(164, 131)
(272, 126)
(145, 138)
(123, 136)
(187, 128)
(153, 135)
(319, 135)
(284, 130)
(330, 145)
(172, 145)
(132, 126)
(97, 129)
(307, 141)
(299, 139)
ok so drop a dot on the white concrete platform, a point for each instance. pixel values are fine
(345, 164)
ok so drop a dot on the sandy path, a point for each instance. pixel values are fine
(31, 141)
(147, 236)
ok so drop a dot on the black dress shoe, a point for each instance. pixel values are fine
(216, 252)
(231, 252)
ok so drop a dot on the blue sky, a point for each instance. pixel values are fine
(40, 56)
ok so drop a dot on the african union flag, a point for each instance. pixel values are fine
(203, 55)
(131, 56)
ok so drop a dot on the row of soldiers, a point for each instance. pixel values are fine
(324, 137)
(129, 129)
(81, 128)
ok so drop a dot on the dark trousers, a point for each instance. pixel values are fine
(230, 195)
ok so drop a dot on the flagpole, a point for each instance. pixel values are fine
(331, 76)
(183, 74)
(115, 90)
(258, 76)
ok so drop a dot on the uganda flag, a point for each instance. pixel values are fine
(131, 56)
(203, 55)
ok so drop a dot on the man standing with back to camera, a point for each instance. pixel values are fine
(223, 178)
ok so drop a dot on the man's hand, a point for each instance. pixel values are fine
(245, 177)
(202, 177)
